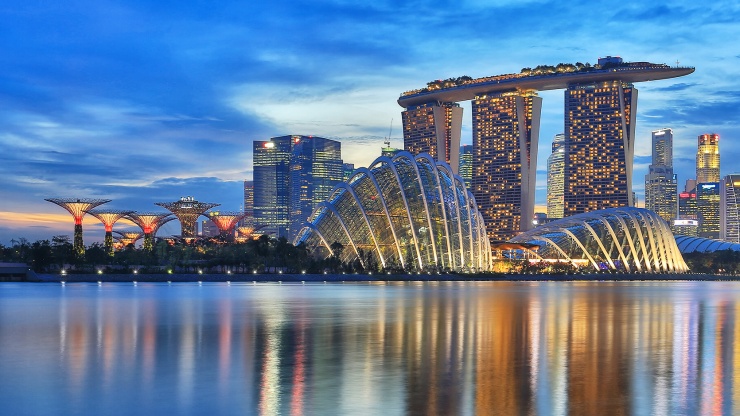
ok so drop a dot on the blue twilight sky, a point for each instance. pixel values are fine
(148, 101)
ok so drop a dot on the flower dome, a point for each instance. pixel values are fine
(406, 212)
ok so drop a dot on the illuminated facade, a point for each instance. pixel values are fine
(505, 137)
(292, 174)
(433, 128)
(661, 184)
(248, 219)
(707, 207)
(707, 159)
(271, 161)
(78, 207)
(599, 119)
(408, 212)
(187, 210)
(556, 177)
(316, 167)
(599, 132)
(630, 239)
(730, 208)
(466, 165)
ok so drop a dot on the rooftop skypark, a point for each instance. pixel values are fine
(541, 78)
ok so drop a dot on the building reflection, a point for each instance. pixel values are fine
(431, 348)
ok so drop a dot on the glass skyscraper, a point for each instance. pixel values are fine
(505, 137)
(316, 167)
(466, 165)
(661, 185)
(271, 161)
(707, 206)
(730, 208)
(555, 177)
(599, 132)
(292, 175)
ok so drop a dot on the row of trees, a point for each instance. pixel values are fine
(263, 254)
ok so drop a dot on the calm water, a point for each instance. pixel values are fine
(364, 349)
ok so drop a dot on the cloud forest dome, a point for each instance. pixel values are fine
(630, 239)
(406, 212)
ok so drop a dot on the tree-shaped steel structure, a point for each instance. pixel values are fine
(128, 237)
(149, 222)
(246, 232)
(108, 218)
(187, 210)
(78, 207)
(226, 221)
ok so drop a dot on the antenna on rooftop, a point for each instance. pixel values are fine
(387, 141)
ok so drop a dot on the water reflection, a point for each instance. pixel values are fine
(432, 348)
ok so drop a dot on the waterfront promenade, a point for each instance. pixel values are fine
(342, 278)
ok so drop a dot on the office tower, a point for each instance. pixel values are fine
(316, 167)
(433, 128)
(707, 206)
(248, 204)
(556, 177)
(347, 170)
(730, 208)
(271, 160)
(661, 184)
(707, 159)
(599, 132)
(687, 205)
(208, 229)
(466, 164)
(505, 136)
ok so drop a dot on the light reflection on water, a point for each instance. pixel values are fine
(401, 348)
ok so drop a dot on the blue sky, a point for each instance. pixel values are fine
(143, 101)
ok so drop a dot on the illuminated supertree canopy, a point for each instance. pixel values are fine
(149, 222)
(187, 210)
(108, 218)
(226, 221)
(78, 207)
(128, 237)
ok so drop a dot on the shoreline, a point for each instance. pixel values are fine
(340, 278)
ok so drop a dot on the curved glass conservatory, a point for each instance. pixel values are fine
(688, 244)
(406, 212)
(630, 239)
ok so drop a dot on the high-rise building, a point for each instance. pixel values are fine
(271, 161)
(433, 128)
(707, 206)
(505, 137)
(347, 170)
(316, 167)
(248, 203)
(687, 206)
(556, 177)
(707, 159)
(466, 164)
(730, 208)
(661, 184)
(292, 175)
(599, 132)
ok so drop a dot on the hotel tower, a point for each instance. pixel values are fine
(600, 109)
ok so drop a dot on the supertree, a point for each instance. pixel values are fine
(149, 222)
(187, 210)
(226, 221)
(128, 237)
(78, 207)
(246, 232)
(108, 218)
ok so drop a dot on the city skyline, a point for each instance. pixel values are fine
(100, 107)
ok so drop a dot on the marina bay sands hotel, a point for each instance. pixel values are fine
(600, 113)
